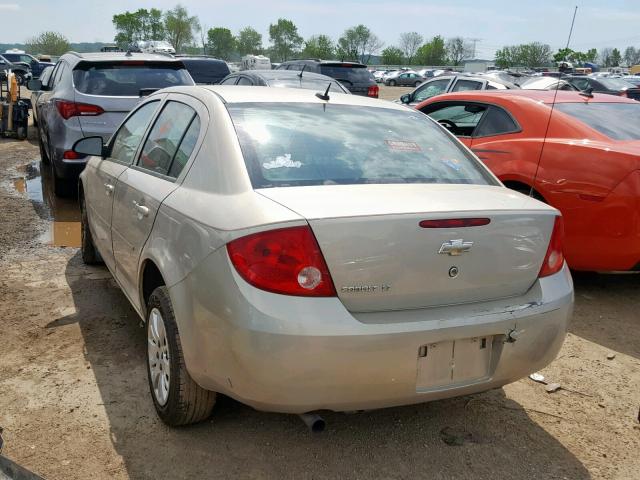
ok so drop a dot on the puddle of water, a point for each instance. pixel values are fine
(62, 214)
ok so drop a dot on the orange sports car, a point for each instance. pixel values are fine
(584, 159)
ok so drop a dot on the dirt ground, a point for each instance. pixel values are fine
(74, 400)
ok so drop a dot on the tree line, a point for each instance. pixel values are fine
(187, 34)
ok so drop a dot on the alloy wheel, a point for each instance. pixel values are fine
(158, 357)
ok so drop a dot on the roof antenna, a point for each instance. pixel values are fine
(553, 104)
(303, 67)
(324, 96)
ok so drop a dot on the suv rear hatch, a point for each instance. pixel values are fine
(116, 87)
(354, 76)
(381, 258)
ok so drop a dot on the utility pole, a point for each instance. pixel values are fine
(474, 40)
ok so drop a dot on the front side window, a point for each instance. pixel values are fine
(244, 81)
(619, 121)
(229, 81)
(430, 89)
(460, 120)
(129, 136)
(295, 144)
(164, 138)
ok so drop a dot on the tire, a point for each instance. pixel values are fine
(44, 156)
(392, 83)
(417, 84)
(62, 187)
(90, 256)
(19, 78)
(184, 401)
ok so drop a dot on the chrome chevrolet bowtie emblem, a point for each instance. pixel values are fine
(455, 247)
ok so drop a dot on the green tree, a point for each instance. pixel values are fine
(285, 39)
(432, 52)
(616, 57)
(392, 56)
(409, 44)
(179, 27)
(127, 27)
(508, 56)
(318, 46)
(49, 43)
(221, 42)
(155, 25)
(358, 43)
(249, 41)
(534, 54)
(458, 49)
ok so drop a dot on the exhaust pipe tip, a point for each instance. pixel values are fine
(315, 423)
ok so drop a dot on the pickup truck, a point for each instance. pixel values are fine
(36, 65)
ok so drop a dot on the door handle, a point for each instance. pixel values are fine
(142, 210)
(109, 188)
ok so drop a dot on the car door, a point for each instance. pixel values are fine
(430, 89)
(102, 176)
(141, 188)
(45, 105)
(460, 118)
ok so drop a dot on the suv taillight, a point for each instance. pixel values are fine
(554, 259)
(373, 91)
(69, 109)
(286, 261)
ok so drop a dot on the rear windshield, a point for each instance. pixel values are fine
(309, 84)
(295, 144)
(126, 79)
(619, 121)
(347, 74)
(204, 71)
(615, 83)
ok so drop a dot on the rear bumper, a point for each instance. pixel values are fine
(294, 355)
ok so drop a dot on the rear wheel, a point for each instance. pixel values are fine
(178, 399)
(44, 156)
(417, 84)
(392, 83)
(62, 187)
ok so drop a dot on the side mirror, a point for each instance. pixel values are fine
(89, 146)
(406, 98)
(34, 85)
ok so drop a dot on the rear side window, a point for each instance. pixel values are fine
(165, 137)
(347, 74)
(466, 85)
(496, 122)
(244, 81)
(128, 78)
(186, 147)
(229, 81)
(295, 144)
(618, 121)
(129, 136)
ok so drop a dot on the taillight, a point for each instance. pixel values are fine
(624, 93)
(69, 109)
(71, 155)
(286, 261)
(372, 91)
(554, 259)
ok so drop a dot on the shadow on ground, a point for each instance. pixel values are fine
(606, 310)
(480, 436)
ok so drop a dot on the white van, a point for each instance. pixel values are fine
(256, 62)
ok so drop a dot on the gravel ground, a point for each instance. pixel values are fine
(74, 399)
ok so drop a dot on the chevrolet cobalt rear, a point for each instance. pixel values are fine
(301, 251)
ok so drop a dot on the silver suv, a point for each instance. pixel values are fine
(90, 94)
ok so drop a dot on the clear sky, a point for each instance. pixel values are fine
(600, 23)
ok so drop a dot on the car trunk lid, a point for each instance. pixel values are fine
(381, 258)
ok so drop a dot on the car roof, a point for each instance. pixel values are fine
(199, 58)
(540, 96)
(255, 94)
(325, 62)
(282, 74)
(115, 56)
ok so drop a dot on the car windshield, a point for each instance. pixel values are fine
(615, 83)
(309, 84)
(126, 79)
(619, 121)
(294, 144)
(206, 71)
(347, 73)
